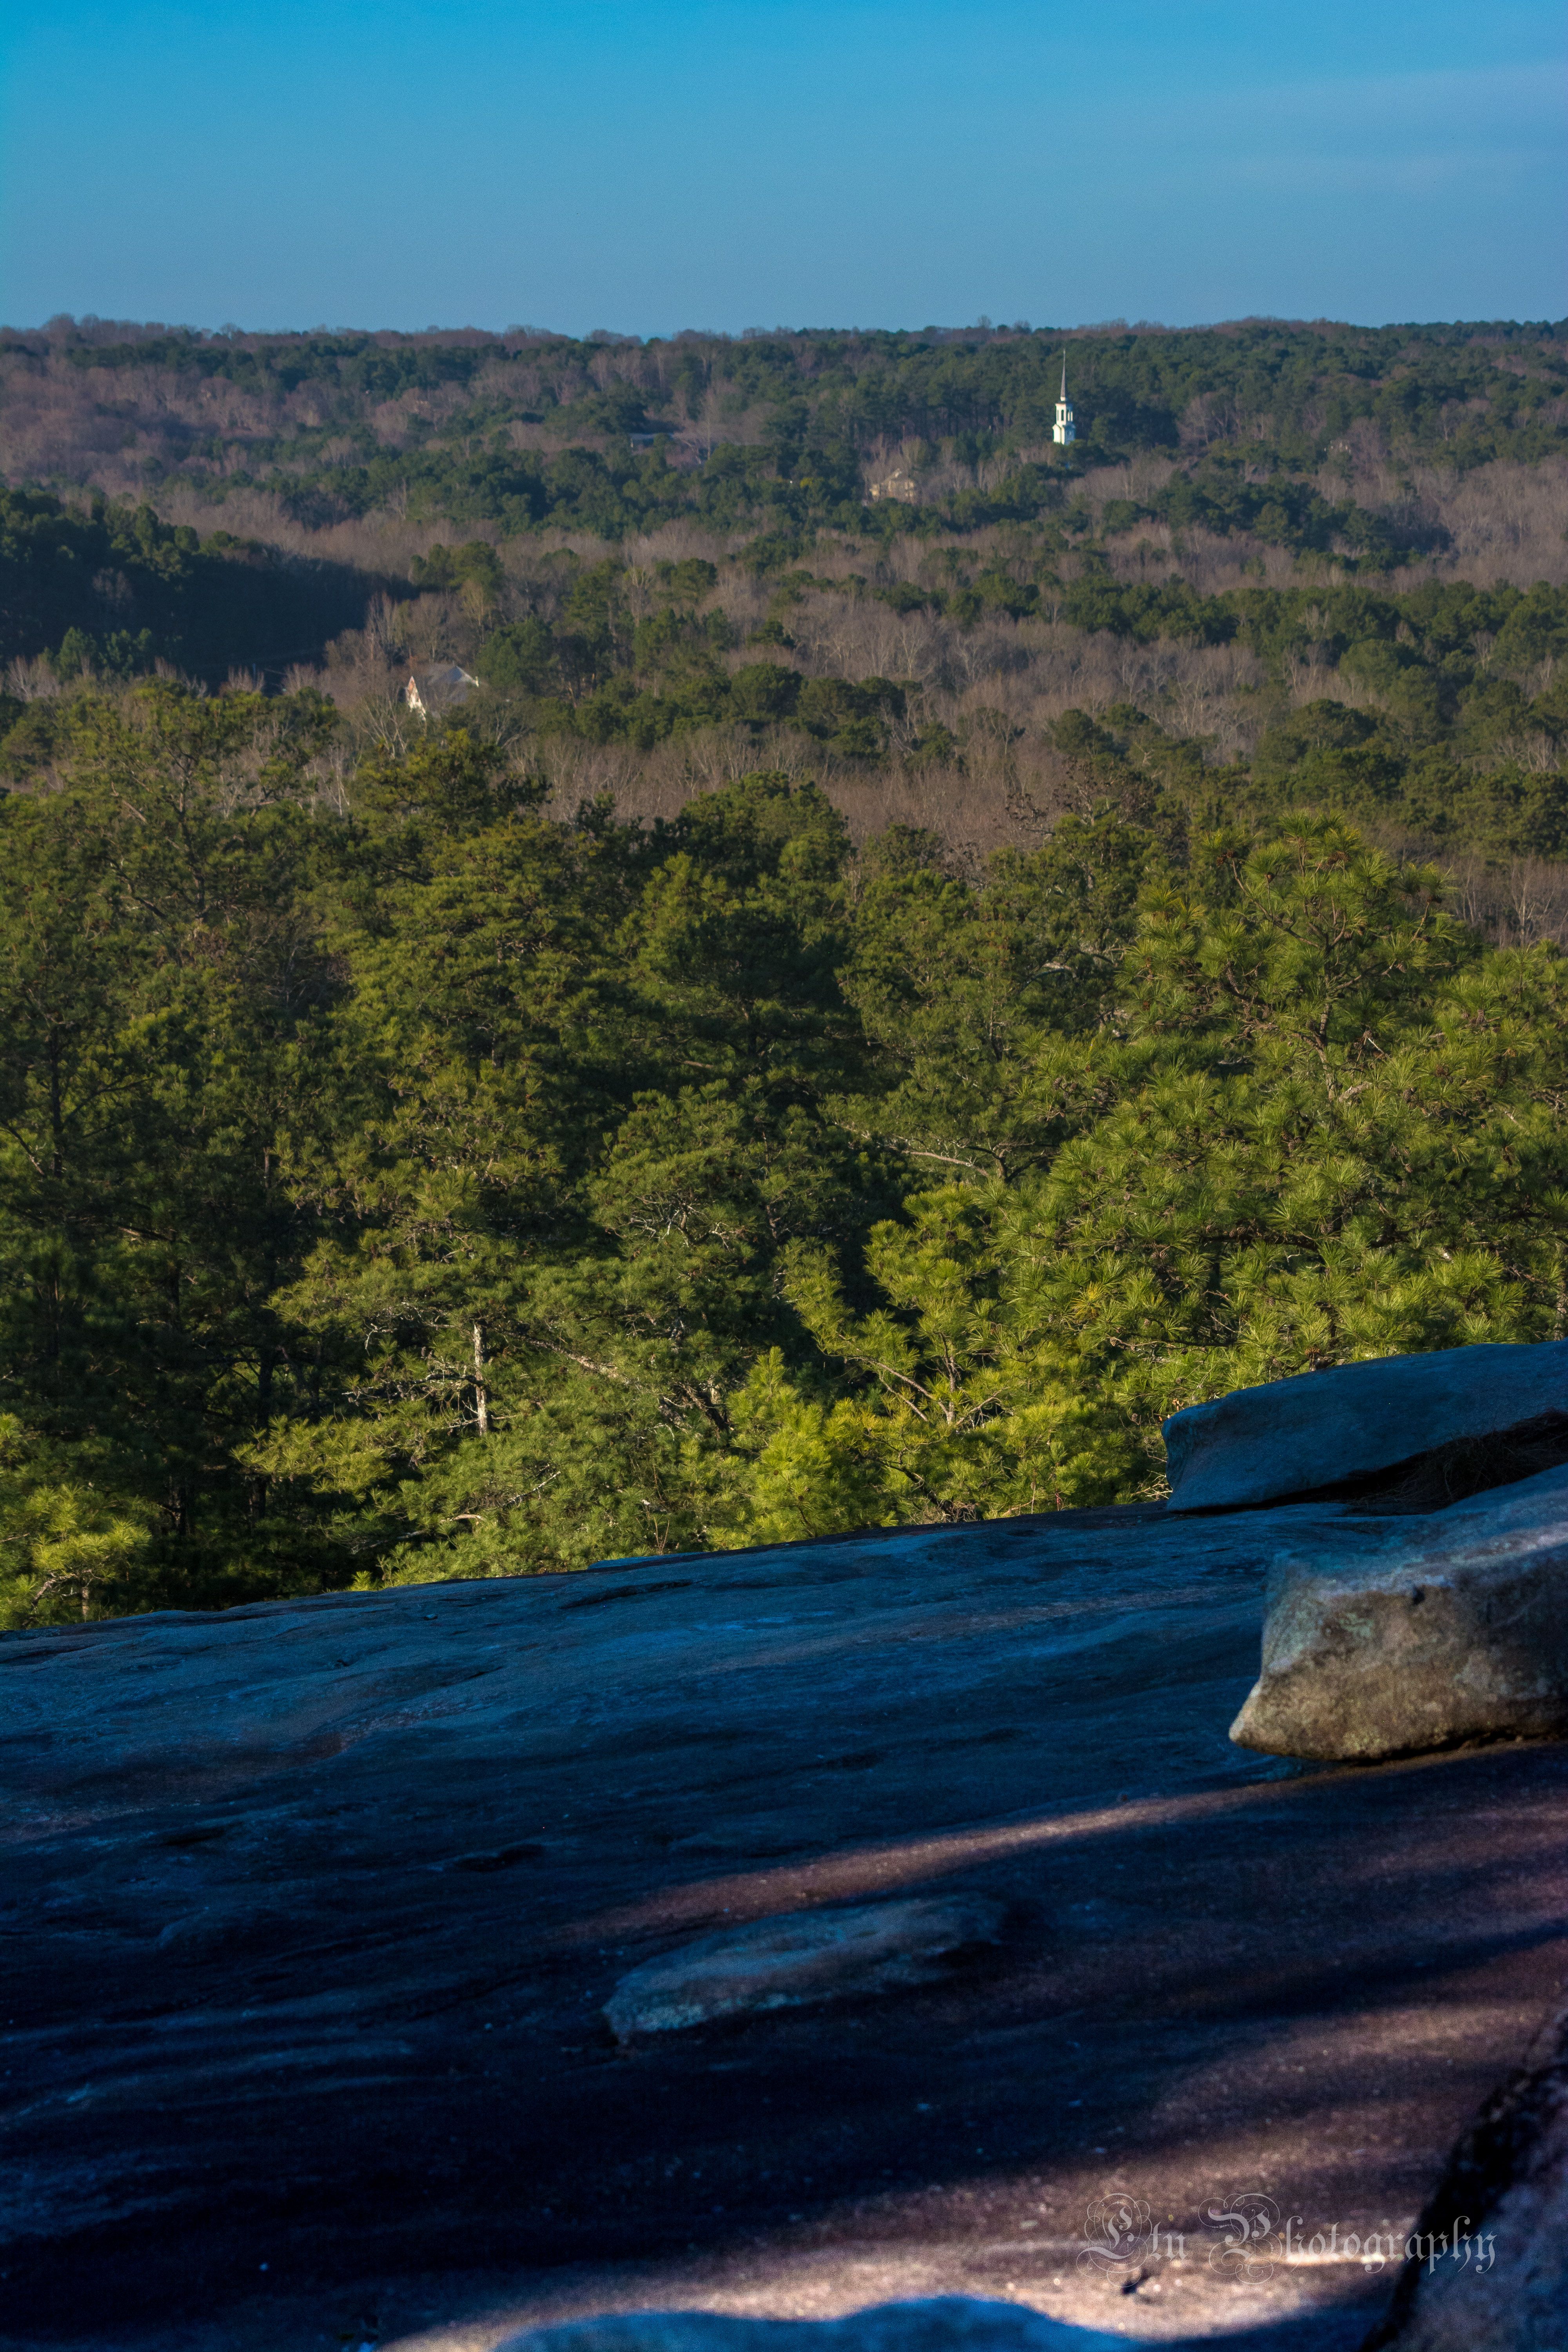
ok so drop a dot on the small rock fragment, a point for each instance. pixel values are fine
(501, 1857)
(804, 1956)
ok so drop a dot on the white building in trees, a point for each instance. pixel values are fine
(1064, 430)
(900, 485)
(434, 691)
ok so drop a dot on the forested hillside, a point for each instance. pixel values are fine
(868, 1003)
(523, 430)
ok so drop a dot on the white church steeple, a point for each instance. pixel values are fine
(1064, 430)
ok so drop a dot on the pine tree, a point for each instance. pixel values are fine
(1339, 1133)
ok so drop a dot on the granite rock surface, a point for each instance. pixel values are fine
(309, 1914)
(1291, 1437)
(942, 2324)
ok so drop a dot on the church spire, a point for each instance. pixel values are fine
(1064, 430)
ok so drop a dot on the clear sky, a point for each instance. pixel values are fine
(727, 164)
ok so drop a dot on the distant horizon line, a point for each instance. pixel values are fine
(64, 322)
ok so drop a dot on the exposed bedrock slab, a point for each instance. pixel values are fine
(309, 1912)
(1385, 1637)
(801, 1959)
(1488, 2264)
(1290, 1437)
(948, 2323)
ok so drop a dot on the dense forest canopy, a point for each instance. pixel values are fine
(887, 955)
(234, 500)
(523, 429)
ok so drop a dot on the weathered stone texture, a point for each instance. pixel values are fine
(1386, 1637)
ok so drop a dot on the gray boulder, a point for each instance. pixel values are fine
(1385, 1637)
(1291, 1437)
(947, 2322)
(804, 1957)
(1487, 2264)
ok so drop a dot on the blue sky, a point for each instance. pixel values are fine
(727, 164)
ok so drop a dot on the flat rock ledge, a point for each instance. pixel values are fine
(801, 1959)
(1392, 1637)
(1294, 1437)
(947, 2322)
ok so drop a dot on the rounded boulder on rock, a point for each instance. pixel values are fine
(1390, 1637)
(804, 1957)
